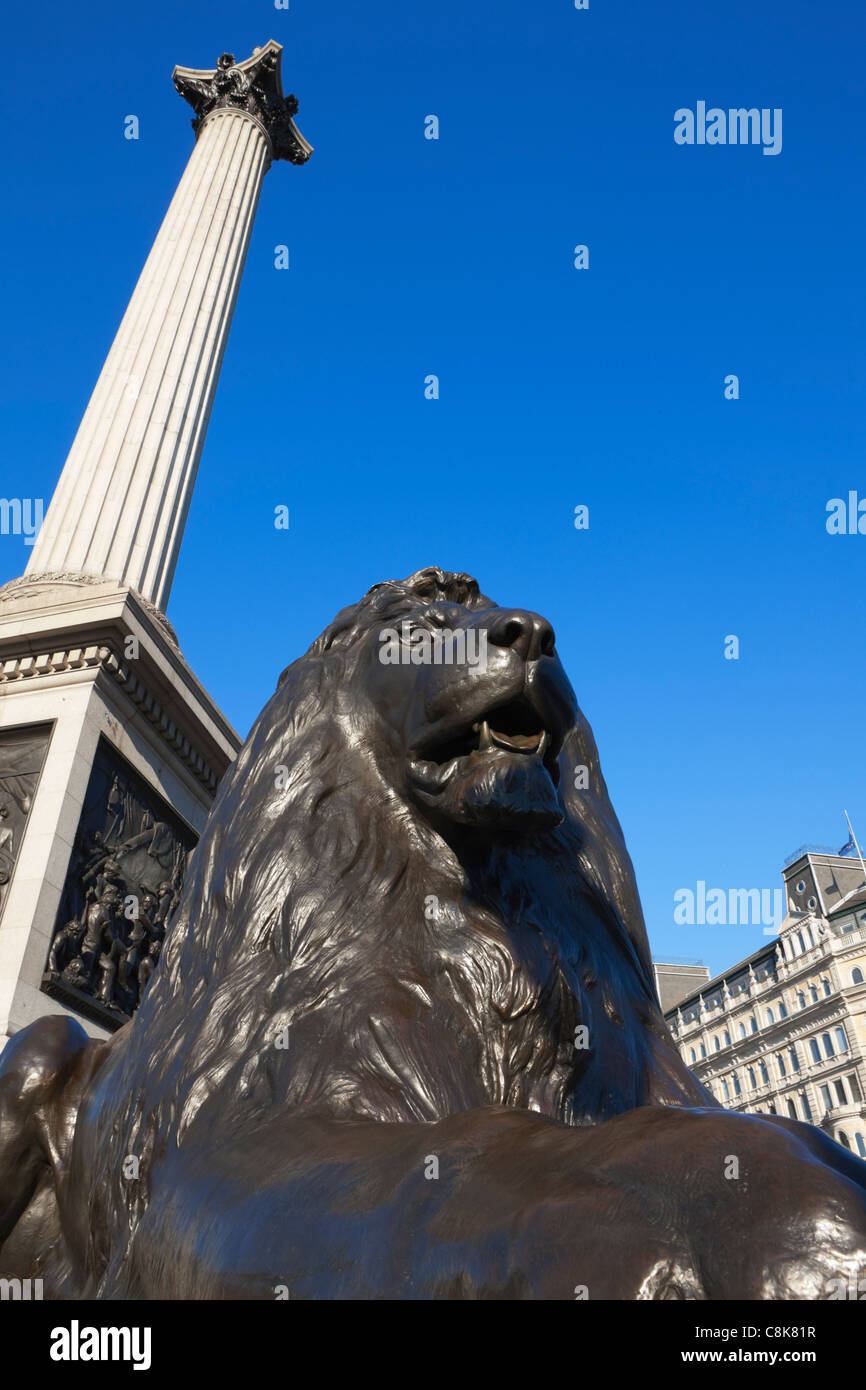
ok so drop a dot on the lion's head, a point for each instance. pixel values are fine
(462, 705)
(413, 876)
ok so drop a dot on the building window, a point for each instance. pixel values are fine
(727, 1038)
(738, 1090)
(771, 1017)
(843, 1139)
(780, 1063)
(772, 1108)
(813, 1048)
(801, 941)
(765, 1075)
(807, 1109)
(861, 1145)
(826, 983)
(812, 903)
(841, 1040)
(801, 886)
(725, 1091)
(742, 1030)
(841, 1093)
(855, 1088)
(752, 1080)
(826, 1097)
(754, 1024)
(783, 1012)
(792, 1109)
(813, 990)
(857, 979)
(703, 1050)
(793, 1058)
(692, 1055)
(801, 999)
(829, 1050)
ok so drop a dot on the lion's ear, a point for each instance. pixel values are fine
(604, 856)
(345, 621)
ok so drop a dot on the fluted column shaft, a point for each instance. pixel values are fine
(121, 503)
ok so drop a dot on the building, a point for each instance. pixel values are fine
(677, 979)
(784, 1031)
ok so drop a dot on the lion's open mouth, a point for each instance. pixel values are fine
(512, 729)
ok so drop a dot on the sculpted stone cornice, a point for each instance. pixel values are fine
(818, 959)
(44, 580)
(253, 86)
(105, 657)
(849, 952)
(784, 1031)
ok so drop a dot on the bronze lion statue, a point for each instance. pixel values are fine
(403, 1040)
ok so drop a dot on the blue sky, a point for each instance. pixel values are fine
(558, 387)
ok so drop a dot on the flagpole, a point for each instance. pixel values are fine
(856, 846)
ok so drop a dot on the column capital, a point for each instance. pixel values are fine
(254, 86)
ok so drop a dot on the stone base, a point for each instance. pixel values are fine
(108, 1017)
(89, 663)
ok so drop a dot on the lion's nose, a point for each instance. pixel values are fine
(526, 633)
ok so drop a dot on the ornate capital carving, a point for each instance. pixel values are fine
(254, 86)
(41, 581)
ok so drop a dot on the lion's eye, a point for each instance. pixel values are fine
(443, 615)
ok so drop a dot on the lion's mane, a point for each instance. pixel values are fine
(332, 953)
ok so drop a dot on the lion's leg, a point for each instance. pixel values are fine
(776, 1209)
(500, 1204)
(34, 1067)
(486, 1204)
(762, 1209)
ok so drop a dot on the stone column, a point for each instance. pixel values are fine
(121, 503)
(110, 750)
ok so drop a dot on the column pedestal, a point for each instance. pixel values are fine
(109, 763)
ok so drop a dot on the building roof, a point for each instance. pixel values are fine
(853, 901)
(707, 988)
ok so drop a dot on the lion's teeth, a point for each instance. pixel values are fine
(432, 776)
(515, 743)
(519, 743)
